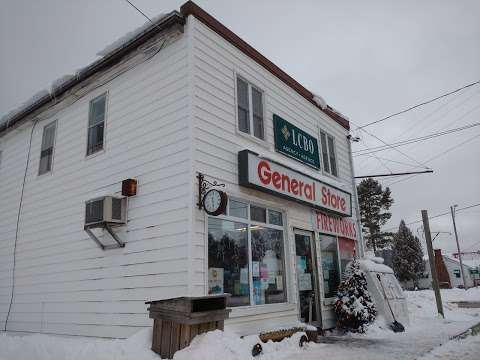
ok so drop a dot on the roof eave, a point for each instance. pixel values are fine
(116, 55)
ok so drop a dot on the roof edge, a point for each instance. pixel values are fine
(190, 8)
(166, 22)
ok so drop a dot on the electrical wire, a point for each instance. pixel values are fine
(140, 11)
(437, 156)
(17, 227)
(420, 104)
(393, 148)
(414, 140)
(438, 215)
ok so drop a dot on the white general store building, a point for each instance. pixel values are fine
(180, 98)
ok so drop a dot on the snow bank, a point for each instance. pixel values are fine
(49, 347)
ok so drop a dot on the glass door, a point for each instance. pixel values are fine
(307, 278)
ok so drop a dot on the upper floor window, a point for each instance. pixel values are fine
(46, 151)
(250, 109)
(328, 154)
(96, 124)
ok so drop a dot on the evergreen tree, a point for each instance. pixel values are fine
(354, 307)
(407, 255)
(374, 205)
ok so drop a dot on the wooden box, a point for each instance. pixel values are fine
(177, 321)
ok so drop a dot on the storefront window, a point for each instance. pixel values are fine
(267, 265)
(347, 252)
(229, 242)
(330, 269)
(228, 260)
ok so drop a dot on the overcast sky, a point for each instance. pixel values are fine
(366, 58)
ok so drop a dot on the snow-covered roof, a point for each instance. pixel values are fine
(108, 55)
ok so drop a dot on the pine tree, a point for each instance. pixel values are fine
(374, 205)
(354, 307)
(407, 255)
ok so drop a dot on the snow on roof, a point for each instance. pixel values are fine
(105, 52)
(320, 101)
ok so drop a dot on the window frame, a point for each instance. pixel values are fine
(334, 142)
(250, 223)
(250, 84)
(102, 150)
(54, 122)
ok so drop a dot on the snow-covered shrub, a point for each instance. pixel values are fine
(354, 307)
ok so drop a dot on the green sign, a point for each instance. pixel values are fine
(294, 142)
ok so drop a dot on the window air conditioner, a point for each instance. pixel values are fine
(105, 210)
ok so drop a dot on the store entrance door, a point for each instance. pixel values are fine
(307, 278)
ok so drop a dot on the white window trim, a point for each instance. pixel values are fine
(251, 309)
(53, 150)
(251, 83)
(105, 122)
(327, 134)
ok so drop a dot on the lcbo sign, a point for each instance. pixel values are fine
(296, 143)
(268, 176)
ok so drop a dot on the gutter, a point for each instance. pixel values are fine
(169, 20)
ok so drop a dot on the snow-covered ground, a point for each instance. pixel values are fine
(421, 340)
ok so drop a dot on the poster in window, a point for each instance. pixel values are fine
(256, 269)
(304, 282)
(215, 280)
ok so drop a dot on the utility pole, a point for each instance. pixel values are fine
(431, 259)
(452, 210)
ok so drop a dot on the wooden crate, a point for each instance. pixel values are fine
(177, 321)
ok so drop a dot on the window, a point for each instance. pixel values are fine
(330, 268)
(96, 124)
(46, 151)
(328, 154)
(457, 273)
(246, 255)
(250, 109)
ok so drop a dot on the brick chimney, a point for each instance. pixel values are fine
(442, 272)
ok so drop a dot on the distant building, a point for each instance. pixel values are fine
(449, 274)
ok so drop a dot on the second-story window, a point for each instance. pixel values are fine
(250, 109)
(328, 154)
(46, 151)
(96, 124)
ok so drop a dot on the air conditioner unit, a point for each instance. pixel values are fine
(105, 210)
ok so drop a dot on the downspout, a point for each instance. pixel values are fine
(361, 244)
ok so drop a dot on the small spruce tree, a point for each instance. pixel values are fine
(354, 307)
(407, 255)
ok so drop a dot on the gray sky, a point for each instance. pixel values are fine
(366, 58)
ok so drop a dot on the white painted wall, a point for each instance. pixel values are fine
(64, 283)
(217, 142)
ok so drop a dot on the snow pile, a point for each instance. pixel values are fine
(48, 347)
(320, 101)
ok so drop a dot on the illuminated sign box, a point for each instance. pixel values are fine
(268, 176)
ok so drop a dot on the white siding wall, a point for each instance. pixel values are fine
(217, 142)
(64, 282)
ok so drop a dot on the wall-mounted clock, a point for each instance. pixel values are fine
(215, 202)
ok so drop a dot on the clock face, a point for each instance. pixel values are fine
(214, 202)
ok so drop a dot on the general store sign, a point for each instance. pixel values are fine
(296, 143)
(271, 177)
(334, 225)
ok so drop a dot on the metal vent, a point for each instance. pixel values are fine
(117, 209)
(94, 211)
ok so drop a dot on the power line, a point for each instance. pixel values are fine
(140, 11)
(421, 104)
(393, 148)
(438, 215)
(393, 174)
(439, 155)
(414, 140)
